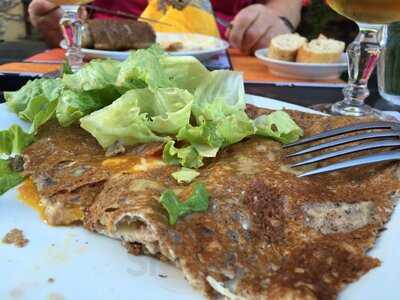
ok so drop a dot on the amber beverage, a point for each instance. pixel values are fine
(368, 11)
(371, 16)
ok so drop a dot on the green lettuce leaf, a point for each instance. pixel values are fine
(47, 89)
(163, 112)
(210, 136)
(66, 68)
(186, 72)
(36, 101)
(187, 156)
(143, 69)
(220, 95)
(14, 141)
(204, 138)
(170, 110)
(197, 202)
(95, 75)
(8, 177)
(204, 134)
(205, 150)
(170, 153)
(175, 208)
(185, 175)
(74, 105)
(122, 121)
(235, 127)
(38, 112)
(278, 126)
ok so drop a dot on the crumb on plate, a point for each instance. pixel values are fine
(16, 237)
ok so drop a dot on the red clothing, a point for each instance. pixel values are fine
(224, 9)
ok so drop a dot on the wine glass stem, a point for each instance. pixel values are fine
(363, 56)
(72, 30)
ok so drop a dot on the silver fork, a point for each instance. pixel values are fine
(387, 137)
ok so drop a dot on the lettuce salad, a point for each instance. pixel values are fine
(150, 97)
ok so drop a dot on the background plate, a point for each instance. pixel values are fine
(211, 46)
(303, 70)
(89, 266)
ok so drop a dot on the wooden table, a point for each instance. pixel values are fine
(255, 71)
(49, 61)
(258, 79)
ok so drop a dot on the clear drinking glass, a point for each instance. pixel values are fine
(363, 53)
(389, 66)
(72, 29)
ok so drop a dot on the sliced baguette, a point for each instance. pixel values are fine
(321, 50)
(285, 46)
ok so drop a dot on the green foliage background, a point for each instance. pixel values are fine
(319, 18)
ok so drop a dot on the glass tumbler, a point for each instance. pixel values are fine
(389, 66)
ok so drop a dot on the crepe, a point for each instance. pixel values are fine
(69, 169)
(267, 233)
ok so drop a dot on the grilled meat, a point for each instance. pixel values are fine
(117, 34)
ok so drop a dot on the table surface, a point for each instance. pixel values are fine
(258, 80)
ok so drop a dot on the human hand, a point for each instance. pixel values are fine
(45, 16)
(254, 27)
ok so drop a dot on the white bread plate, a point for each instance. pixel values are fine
(305, 71)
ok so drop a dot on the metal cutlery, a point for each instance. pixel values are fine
(387, 136)
(224, 23)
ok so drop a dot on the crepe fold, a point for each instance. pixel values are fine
(267, 234)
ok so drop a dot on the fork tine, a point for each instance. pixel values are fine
(346, 140)
(342, 130)
(353, 149)
(364, 160)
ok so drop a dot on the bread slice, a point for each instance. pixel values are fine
(285, 46)
(321, 50)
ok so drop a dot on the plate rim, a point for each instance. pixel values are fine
(224, 45)
(261, 55)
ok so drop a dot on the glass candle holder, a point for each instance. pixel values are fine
(72, 30)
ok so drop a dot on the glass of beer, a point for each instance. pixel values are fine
(72, 30)
(363, 53)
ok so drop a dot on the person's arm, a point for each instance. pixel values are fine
(290, 9)
(45, 16)
(255, 26)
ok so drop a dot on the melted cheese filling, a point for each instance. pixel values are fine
(28, 194)
(147, 164)
(132, 164)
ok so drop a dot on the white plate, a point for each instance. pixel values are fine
(89, 266)
(303, 71)
(209, 45)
